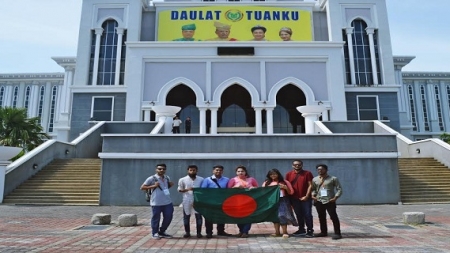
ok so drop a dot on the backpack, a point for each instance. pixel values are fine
(148, 193)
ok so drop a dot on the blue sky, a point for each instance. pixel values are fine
(34, 31)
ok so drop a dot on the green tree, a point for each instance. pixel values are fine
(445, 137)
(16, 130)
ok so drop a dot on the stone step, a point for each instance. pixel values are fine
(51, 202)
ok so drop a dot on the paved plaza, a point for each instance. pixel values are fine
(376, 228)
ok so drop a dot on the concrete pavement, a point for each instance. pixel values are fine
(377, 228)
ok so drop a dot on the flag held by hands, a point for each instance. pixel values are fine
(237, 206)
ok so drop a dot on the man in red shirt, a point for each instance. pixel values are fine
(301, 201)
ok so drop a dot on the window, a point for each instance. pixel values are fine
(234, 116)
(102, 108)
(2, 94)
(27, 97)
(412, 107)
(361, 54)
(15, 96)
(439, 108)
(41, 102)
(367, 108)
(423, 98)
(52, 109)
(107, 55)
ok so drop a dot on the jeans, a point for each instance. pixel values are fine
(167, 212)
(244, 228)
(329, 207)
(303, 211)
(187, 225)
(209, 227)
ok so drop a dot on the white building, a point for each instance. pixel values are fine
(340, 57)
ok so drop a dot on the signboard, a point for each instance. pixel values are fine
(235, 23)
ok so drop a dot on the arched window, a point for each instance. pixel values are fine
(362, 56)
(41, 102)
(107, 57)
(52, 108)
(2, 94)
(27, 98)
(234, 116)
(15, 97)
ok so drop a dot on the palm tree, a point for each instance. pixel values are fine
(16, 130)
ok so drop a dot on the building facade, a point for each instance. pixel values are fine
(206, 57)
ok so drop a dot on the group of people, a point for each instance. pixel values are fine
(176, 123)
(223, 33)
(299, 191)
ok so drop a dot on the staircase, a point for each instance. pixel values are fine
(423, 180)
(62, 182)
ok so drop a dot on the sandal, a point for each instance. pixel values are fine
(275, 235)
(285, 236)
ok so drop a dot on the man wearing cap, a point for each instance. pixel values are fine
(222, 31)
(188, 32)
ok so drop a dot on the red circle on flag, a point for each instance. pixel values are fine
(239, 206)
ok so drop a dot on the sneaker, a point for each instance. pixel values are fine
(244, 235)
(309, 235)
(321, 234)
(156, 236)
(224, 234)
(336, 237)
(208, 236)
(299, 233)
(187, 235)
(199, 236)
(164, 235)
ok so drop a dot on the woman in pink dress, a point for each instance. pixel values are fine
(285, 214)
(242, 180)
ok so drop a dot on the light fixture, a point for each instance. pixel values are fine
(152, 103)
(67, 152)
(264, 102)
(207, 102)
(320, 102)
(418, 150)
(35, 166)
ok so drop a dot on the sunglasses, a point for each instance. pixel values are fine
(161, 168)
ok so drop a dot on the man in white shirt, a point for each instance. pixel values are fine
(186, 185)
(176, 125)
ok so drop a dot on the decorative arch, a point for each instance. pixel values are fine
(368, 22)
(239, 81)
(309, 94)
(177, 81)
(120, 23)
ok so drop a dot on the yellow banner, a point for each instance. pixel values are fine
(235, 23)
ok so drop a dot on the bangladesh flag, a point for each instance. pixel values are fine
(237, 206)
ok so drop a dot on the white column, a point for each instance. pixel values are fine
(34, 99)
(119, 54)
(98, 35)
(7, 99)
(213, 120)
(269, 120)
(258, 120)
(147, 115)
(202, 123)
(311, 113)
(309, 121)
(373, 60)
(351, 57)
(325, 115)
